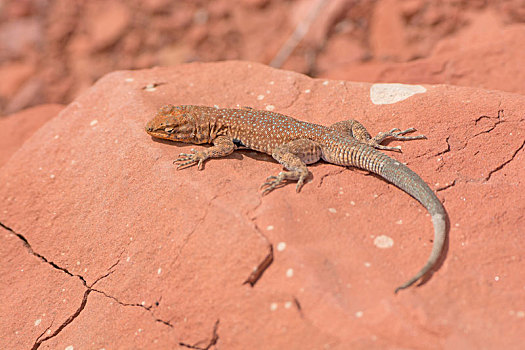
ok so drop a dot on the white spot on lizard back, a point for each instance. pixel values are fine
(382, 94)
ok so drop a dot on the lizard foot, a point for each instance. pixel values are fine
(273, 182)
(186, 160)
(395, 134)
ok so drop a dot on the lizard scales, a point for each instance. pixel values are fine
(294, 144)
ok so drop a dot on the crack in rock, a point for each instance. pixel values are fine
(502, 165)
(212, 342)
(446, 150)
(330, 173)
(72, 317)
(149, 308)
(261, 268)
(40, 256)
(197, 224)
(89, 288)
(453, 183)
(499, 120)
(268, 259)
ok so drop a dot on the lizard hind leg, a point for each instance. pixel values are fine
(293, 156)
(396, 134)
(354, 129)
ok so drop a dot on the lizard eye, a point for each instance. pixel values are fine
(168, 130)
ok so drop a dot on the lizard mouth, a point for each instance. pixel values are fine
(159, 133)
(169, 134)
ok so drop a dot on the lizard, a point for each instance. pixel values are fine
(295, 144)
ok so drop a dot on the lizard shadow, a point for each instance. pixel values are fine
(238, 154)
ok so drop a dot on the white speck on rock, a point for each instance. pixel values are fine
(332, 210)
(281, 246)
(93, 122)
(270, 107)
(150, 87)
(273, 306)
(359, 314)
(70, 347)
(269, 227)
(260, 97)
(307, 91)
(159, 271)
(383, 242)
(383, 94)
(37, 322)
(129, 80)
(289, 272)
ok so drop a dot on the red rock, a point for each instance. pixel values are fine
(485, 55)
(387, 37)
(169, 250)
(18, 37)
(13, 76)
(109, 21)
(36, 297)
(15, 129)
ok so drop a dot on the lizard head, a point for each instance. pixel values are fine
(175, 123)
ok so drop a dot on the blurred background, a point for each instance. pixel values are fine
(52, 50)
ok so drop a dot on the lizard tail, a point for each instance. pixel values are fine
(407, 180)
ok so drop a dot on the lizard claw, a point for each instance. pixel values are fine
(396, 134)
(186, 160)
(272, 182)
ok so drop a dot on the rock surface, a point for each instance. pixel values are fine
(15, 129)
(106, 245)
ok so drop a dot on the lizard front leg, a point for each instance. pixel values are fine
(353, 128)
(222, 146)
(293, 156)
